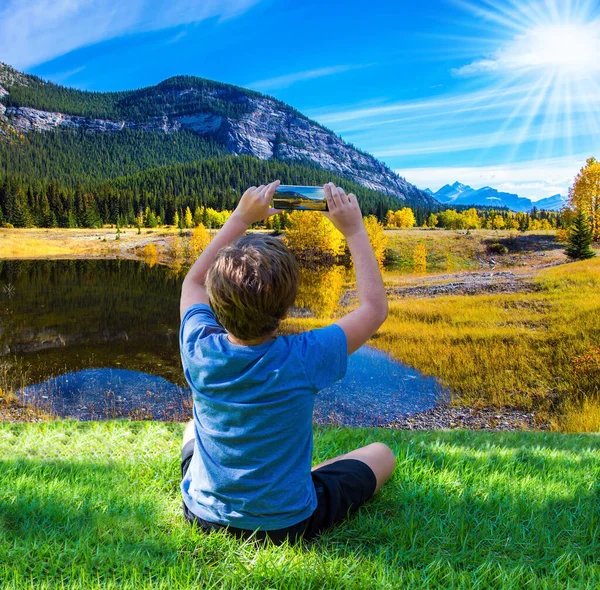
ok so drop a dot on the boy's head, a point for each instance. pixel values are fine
(251, 285)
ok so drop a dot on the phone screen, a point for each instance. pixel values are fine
(311, 198)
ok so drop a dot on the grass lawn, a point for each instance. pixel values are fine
(97, 505)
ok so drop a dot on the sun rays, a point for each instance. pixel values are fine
(524, 87)
(553, 45)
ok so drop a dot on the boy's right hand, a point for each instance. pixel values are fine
(344, 211)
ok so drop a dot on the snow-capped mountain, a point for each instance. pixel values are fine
(462, 194)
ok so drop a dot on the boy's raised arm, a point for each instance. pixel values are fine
(255, 205)
(360, 324)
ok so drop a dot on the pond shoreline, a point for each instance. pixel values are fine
(438, 418)
(470, 418)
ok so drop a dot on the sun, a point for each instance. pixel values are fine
(543, 58)
(562, 48)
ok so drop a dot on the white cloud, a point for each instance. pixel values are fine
(533, 179)
(561, 47)
(35, 31)
(176, 38)
(60, 77)
(289, 79)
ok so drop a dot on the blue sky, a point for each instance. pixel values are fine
(502, 93)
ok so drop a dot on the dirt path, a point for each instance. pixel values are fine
(465, 283)
(468, 283)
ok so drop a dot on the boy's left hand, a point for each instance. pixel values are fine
(255, 204)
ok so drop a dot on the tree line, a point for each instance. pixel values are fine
(166, 191)
(72, 156)
(472, 218)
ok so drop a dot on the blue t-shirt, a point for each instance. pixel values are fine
(253, 410)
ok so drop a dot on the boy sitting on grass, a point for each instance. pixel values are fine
(247, 454)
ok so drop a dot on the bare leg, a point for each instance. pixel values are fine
(188, 433)
(377, 456)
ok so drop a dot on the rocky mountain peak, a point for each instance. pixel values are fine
(243, 121)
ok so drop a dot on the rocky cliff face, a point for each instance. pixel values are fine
(265, 129)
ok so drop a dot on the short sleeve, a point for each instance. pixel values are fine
(325, 355)
(198, 322)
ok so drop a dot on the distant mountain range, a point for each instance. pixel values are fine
(462, 194)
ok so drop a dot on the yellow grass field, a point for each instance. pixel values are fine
(518, 349)
(75, 243)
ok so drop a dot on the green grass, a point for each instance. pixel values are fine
(97, 505)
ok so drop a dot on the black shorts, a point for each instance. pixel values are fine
(341, 488)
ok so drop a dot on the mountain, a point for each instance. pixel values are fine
(553, 203)
(461, 194)
(184, 109)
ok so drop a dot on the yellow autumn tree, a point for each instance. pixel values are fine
(405, 218)
(584, 195)
(390, 219)
(420, 259)
(188, 220)
(450, 219)
(311, 232)
(216, 219)
(199, 239)
(377, 237)
(498, 222)
(471, 219)
(432, 220)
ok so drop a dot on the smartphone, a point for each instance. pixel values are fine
(311, 198)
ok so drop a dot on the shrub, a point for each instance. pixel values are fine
(585, 371)
(497, 248)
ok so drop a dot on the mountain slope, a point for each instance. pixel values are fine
(462, 194)
(553, 203)
(241, 121)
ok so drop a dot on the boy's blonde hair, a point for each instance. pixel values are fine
(251, 285)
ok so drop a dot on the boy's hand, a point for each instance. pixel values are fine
(255, 204)
(344, 211)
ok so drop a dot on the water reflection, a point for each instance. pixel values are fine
(376, 390)
(99, 339)
(320, 289)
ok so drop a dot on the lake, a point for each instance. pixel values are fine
(97, 339)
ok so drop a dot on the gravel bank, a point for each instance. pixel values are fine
(470, 418)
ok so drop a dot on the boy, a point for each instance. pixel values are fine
(247, 454)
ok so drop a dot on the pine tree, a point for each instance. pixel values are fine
(580, 238)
